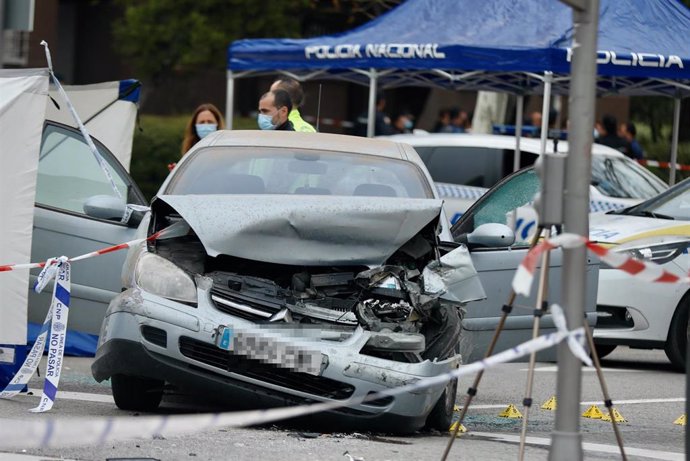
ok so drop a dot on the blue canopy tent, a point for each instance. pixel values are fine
(519, 47)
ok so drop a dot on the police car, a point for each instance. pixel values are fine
(645, 314)
(465, 166)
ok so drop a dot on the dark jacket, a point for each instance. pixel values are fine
(287, 126)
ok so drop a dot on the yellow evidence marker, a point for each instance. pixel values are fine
(462, 429)
(510, 412)
(682, 420)
(549, 404)
(593, 412)
(619, 418)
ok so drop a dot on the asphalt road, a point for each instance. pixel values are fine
(642, 385)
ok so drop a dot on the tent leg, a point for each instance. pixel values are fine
(545, 108)
(519, 114)
(229, 100)
(371, 114)
(674, 141)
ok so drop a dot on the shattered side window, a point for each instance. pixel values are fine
(244, 170)
(509, 203)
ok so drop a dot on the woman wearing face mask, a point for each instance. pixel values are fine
(205, 120)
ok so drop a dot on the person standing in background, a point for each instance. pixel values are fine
(205, 120)
(629, 133)
(274, 108)
(294, 90)
(610, 137)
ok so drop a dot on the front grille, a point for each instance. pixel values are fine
(234, 303)
(268, 373)
(155, 335)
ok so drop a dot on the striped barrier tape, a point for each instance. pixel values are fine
(56, 319)
(642, 270)
(665, 165)
(46, 433)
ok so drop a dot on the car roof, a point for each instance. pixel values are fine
(531, 145)
(321, 141)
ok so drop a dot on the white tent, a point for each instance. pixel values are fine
(108, 110)
(23, 97)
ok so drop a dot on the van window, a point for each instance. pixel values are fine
(470, 165)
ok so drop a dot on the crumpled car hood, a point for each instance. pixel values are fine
(304, 230)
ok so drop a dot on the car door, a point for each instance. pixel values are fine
(508, 203)
(68, 176)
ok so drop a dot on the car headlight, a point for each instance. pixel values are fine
(160, 277)
(659, 251)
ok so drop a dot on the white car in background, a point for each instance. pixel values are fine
(465, 166)
(640, 314)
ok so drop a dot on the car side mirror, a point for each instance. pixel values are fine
(105, 207)
(492, 235)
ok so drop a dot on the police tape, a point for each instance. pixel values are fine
(56, 319)
(665, 165)
(97, 431)
(642, 270)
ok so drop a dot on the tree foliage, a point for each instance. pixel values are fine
(162, 36)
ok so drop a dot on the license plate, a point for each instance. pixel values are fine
(268, 349)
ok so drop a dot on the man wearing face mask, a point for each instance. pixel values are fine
(274, 108)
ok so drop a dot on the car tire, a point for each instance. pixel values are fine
(604, 349)
(136, 394)
(441, 416)
(677, 340)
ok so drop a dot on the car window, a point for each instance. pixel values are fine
(470, 165)
(510, 203)
(621, 178)
(253, 170)
(69, 174)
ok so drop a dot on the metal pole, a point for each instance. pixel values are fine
(2, 33)
(566, 440)
(545, 109)
(371, 117)
(229, 100)
(519, 114)
(674, 141)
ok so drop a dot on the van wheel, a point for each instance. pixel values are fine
(136, 394)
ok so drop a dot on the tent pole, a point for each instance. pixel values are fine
(371, 114)
(545, 109)
(229, 100)
(674, 141)
(519, 114)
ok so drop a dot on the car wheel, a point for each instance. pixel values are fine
(677, 340)
(135, 393)
(604, 349)
(441, 415)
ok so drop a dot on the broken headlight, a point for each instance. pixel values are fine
(160, 277)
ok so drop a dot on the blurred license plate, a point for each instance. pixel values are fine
(268, 349)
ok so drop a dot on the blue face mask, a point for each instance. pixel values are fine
(205, 129)
(265, 122)
(408, 124)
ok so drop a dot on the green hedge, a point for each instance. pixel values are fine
(157, 142)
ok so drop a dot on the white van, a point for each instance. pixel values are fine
(464, 166)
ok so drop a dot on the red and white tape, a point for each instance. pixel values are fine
(175, 230)
(666, 165)
(642, 270)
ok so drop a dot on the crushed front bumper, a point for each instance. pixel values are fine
(149, 336)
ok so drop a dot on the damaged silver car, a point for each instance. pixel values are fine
(310, 269)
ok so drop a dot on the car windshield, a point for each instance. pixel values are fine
(673, 204)
(621, 178)
(263, 170)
